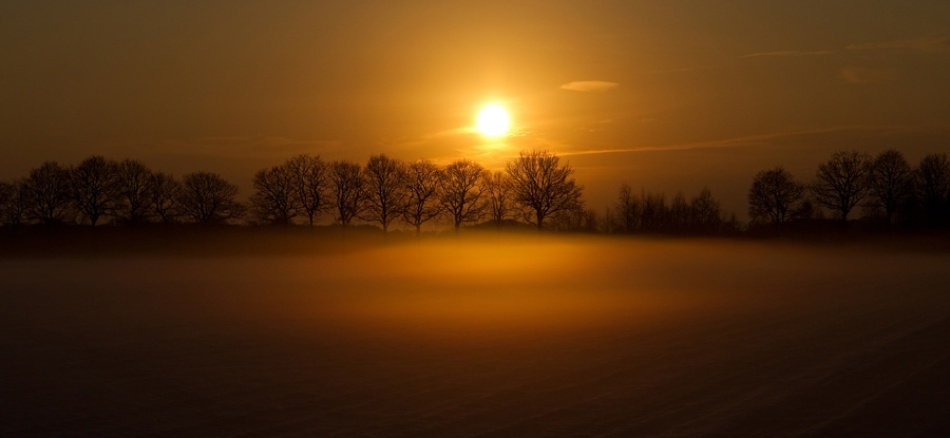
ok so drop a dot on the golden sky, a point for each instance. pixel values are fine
(664, 95)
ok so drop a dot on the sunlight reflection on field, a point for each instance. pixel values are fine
(456, 337)
(470, 286)
(484, 287)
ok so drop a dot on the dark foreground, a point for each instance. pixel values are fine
(498, 338)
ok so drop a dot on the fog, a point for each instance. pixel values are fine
(489, 335)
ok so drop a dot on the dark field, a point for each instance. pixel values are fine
(495, 337)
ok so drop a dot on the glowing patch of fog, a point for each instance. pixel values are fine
(683, 338)
(465, 284)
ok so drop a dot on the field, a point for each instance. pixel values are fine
(488, 336)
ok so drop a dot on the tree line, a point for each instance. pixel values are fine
(885, 188)
(125, 192)
(533, 188)
(651, 213)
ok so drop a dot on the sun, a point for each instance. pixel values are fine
(493, 121)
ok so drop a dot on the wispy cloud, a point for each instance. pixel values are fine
(863, 75)
(788, 54)
(919, 44)
(590, 86)
(737, 142)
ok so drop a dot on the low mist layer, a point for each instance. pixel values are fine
(495, 336)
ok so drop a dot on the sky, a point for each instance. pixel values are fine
(671, 95)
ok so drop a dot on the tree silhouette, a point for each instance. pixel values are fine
(163, 195)
(310, 176)
(841, 183)
(650, 213)
(132, 185)
(49, 191)
(933, 186)
(655, 215)
(461, 192)
(94, 187)
(628, 209)
(536, 184)
(705, 212)
(891, 182)
(542, 186)
(497, 188)
(14, 202)
(385, 188)
(422, 185)
(680, 213)
(578, 220)
(6, 198)
(775, 196)
(207, 198)
(346, 178)
(275, 198)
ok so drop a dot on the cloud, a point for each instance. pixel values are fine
(590, 86)
(862, 75)
(788, 53)
(920, 44)
(741, 142)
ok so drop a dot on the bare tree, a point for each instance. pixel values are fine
(14, 202)
(679, 213)
(933, 185)
(49, 189)
(132, 185)
(275, 196)
(207, 198)
(6, 197)
(461, 192)
(94, 187)
(163, 195)
(610, 224)
(346, 178)
(542, 186)
(385, 188)
(891, 182)
(310, 175)
(497, 188)
(775, 196)
(655, 215)
(579, 220)
(841, 183)
(706, 215)
(422, 185)
(628, 210)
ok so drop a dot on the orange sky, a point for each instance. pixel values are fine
(663, 95)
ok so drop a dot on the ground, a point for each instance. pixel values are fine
(489, 336)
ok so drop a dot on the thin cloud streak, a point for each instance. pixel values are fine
(736, 142)
(788, 54)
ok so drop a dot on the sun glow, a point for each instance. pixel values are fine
(493, 121)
